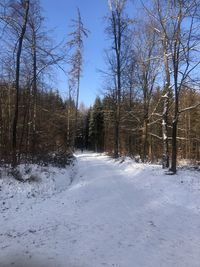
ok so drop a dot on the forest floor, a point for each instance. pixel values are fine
(112, 214)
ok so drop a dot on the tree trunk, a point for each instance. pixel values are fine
(116, 139)
(76, 112)
(17, 87)
(145, 140)
(174, 146)
(165, 159)
(174, 127)
(34, 92)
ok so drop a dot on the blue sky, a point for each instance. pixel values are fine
(58, 15)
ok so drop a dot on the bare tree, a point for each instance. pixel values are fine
(147, 52)
(178, 26)
(117, 30)
(76, 62)
(43, 56)
(23, 6)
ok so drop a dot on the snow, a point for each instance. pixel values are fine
(115, 213)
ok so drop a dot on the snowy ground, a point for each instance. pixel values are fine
(113, 214)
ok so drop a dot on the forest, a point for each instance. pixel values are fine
(149, 104)
(99, 133)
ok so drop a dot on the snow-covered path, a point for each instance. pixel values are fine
(126, 215)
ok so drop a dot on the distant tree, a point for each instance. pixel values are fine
(96, 126)
(76, 61)
(147, 60)
(118, 32)
(109, 109)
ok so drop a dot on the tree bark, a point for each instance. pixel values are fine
(165, 159)
(34, 90)
(17, 86)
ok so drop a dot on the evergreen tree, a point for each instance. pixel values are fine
(96, 126)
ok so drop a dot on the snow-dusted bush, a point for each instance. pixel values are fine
(57, 159)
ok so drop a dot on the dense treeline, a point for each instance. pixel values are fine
(101, 127)
(50, 131)
(150, 106)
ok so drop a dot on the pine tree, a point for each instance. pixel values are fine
(96, 126)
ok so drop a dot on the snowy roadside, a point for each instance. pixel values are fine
(113, 214)
(39, 183)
